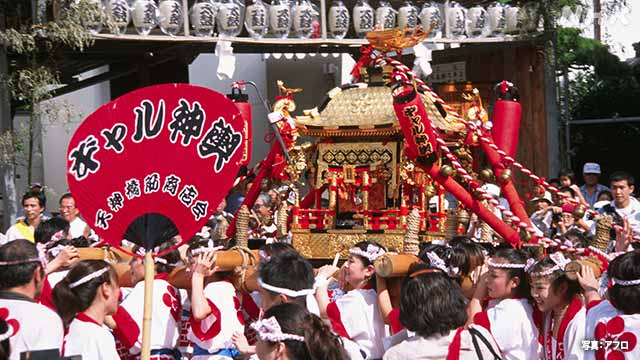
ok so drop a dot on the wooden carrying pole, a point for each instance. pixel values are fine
(394, 265)
(149, 272)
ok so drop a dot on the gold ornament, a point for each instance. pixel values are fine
(429, 191)
(505, 175)
(579, 211)
(446, 170)
(486, 174)
(463, 218)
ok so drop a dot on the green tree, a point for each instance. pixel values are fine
(30, 38)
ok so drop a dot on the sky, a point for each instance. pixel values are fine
(623, 30)
(620, 29)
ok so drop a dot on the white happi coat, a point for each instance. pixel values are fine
(607, 324)
(214, 332)
(90, 340)
(510, 321)
(35, 327)
(184, 344)
(356, 316)
(166, 314)
(571, 333)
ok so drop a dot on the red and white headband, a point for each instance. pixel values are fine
(373, 252)
(269, 330)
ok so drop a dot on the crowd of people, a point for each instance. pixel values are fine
(463, 299)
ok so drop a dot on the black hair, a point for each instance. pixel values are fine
(466, 255)
(70, 301)
(445, 253)
(556, 278)
(442, 251)
(320, 343)
(567, 189)
(577, 238)
(5, 345)
(39, 195)
(568, 173)
(363, 245)
(431, 303)
(198, 242)
(172, 257)
(278, 248)
(45, 231)
(289, 271)
(22, 273)
(625, 267)
(65, 196)
(513, 256)
(622, 176)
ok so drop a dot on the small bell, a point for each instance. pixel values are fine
(505, 175)
(446, 170)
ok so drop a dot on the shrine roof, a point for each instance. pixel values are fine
(363, 110)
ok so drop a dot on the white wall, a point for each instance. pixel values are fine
(250, 67)
(58, 129)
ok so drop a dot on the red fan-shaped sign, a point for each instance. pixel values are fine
(171, 149)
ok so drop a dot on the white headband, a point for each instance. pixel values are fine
(7, 334)
(373, 252)
(491, 263)
(157, 259)
(89, 277)
(19, 262)
(203, 250)
(558, 259)
(270, 330)
(437, 262)
(625, 282)
(283, 291)
(263, 256)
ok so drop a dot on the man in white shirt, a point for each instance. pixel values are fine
(35, 327)
(69, 212)
(623, 202)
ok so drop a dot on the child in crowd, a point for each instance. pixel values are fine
(560, 308)
(433, 307)
(52, 236)
(34, 326)
(84, 298)
(508, 315)
(285, 277)
(355, 315)
(566, 178)
(288, 331)
(618, 318)
(166, 309)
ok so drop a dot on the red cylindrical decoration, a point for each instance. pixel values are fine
(508, 190)
(421, 141)
(241, 101)
(415, 124)
(506, 118)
